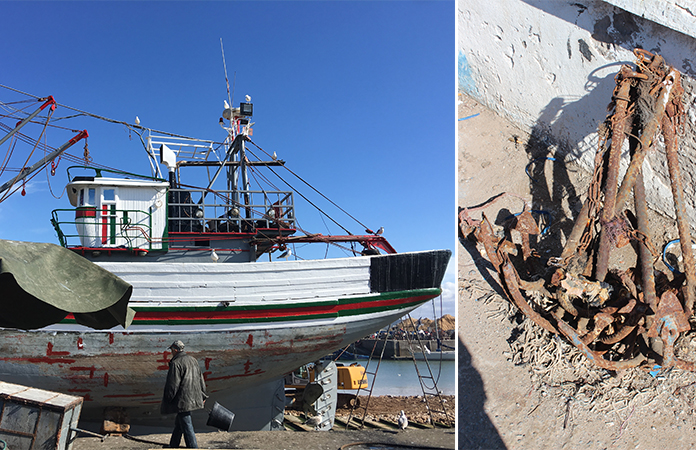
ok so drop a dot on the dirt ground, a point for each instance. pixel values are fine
(380, 407)
(287, 440)
(510, 394)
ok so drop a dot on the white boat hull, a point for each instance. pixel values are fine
(246, 324)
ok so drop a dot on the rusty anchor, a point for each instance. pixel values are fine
(607, 312)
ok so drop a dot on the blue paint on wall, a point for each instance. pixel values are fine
(465, 80)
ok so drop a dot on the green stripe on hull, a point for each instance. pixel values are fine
(391, 296)
(341, 303)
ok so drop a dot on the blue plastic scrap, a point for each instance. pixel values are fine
(469, 117)
(655, 370)
(541, 158)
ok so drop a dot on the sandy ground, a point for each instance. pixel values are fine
(380, 409)
(279, 440)
(509, 396)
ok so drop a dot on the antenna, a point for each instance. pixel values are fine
(234, 83)
(224, 65)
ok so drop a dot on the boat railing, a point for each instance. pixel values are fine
(201, 210)
(189, 211)
(185, 149)
(111, 228)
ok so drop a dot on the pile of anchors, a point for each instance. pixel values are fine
(618, 318)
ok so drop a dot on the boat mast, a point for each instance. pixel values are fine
(236, 135)
(233, 156)
(245, 179)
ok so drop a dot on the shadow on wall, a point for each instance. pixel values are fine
(476, 431)
(549, 154)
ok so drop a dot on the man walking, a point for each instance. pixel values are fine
(184, 392)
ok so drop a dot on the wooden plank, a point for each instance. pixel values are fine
(296, 422)
(394, 425)
(354, 424)
(377, 425)
(247, 283)
(389, 423)
(444, 425)
(421, 426)
(339, 424)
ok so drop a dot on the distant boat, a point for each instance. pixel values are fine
(192, 255)
(344, 355)
(436, 355)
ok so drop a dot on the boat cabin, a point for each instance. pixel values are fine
(166, 219)
(119, 213)
(132, 216)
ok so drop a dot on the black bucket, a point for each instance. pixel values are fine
(220, 418)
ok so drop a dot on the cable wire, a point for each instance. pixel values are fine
(311, 187)
(137, 128)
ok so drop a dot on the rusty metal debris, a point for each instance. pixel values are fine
(614, 316)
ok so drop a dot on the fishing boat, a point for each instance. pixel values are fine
(206, 266)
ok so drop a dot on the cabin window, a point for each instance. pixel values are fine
(109, 195)
(91, 197)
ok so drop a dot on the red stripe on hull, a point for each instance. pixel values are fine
(289, 313)
(212, 315)
(382, 303)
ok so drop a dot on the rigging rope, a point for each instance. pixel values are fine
(8, 155)
(9, 191)
(96, 116)
(305, 198)
(311, 187)
(136, 128)
(297, 226)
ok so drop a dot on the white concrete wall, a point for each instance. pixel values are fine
(550, 65)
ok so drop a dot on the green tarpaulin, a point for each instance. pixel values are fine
(41, 283)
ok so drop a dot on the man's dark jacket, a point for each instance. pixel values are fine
(185, 388)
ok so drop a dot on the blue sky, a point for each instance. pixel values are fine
(357, 97)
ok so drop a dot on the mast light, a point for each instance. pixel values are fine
(246, 109)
